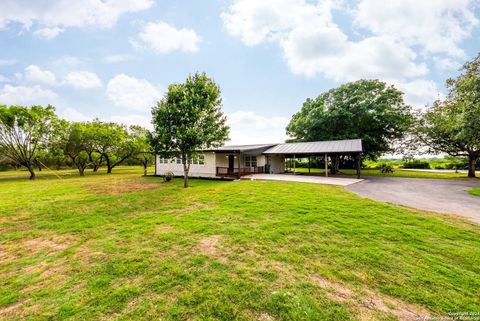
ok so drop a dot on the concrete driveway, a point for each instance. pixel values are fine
(341, 181)
(440, 195)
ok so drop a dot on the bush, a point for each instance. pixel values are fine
(416, 163)
(386, 168)
(168, 176)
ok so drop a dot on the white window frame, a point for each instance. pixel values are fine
(251, 161)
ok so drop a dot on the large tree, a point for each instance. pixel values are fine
(25, 131)
(366, 109)
(189, 118)
(452, 126)
(113, 142)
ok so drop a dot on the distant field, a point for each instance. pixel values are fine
(127, 247)
(396, 173)
(475, 191)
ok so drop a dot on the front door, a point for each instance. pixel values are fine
(231, 164)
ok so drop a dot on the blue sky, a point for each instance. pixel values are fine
(113, 59)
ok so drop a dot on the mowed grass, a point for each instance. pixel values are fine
(124, 247)
(396, 173)
(475, 191)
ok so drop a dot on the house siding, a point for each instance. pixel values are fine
(208, 169)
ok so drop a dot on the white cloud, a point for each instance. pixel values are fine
(132, 93)
(438, 26)
(7, 62)
(83, 80)
(25, 94)
(129, 120)
(48, 33)
(72, 114)
(313, 44)
(163, 38)
(420, 93)
(446, 64)
(117, 58)
(3, 78)
(64, 13)
(247, 127)
(34, 74)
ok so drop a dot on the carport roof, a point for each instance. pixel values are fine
(320, 147)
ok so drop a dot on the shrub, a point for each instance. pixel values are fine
(168, 176)
(386, 168)
(416, 163)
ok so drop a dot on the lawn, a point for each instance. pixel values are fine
(475, 191)
(126, 247)
(396, 173)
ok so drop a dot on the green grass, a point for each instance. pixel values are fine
(396, 173)
(475, 191)
(125, 247)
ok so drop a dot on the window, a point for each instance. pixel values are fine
(179, 160)
(251, 161)
(200, 160)
(163, 160)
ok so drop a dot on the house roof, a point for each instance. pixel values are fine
(241, 148)
(321, 147)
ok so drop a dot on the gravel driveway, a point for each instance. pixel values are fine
(440, 195)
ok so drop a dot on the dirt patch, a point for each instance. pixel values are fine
(210, 246)
(117, 187)
(265, 317)
(13, 311)
(51, 246)
(367, 303)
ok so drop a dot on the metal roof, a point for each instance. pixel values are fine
(241, 148)
(321, 147)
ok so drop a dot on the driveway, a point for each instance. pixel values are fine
(305, 179)
(440, 195)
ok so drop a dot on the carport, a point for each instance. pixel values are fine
(326, 149)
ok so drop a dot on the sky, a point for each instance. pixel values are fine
(113, 59)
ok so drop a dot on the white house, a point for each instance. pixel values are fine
(237, 161)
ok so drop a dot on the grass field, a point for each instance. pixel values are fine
(124, 247)
(396, 173)
(475, 191)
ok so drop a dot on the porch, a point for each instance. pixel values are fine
(239, 172)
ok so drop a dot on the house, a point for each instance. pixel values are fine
(237, 161)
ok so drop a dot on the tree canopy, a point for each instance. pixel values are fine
(189, 118)
(25, 131)
(366, 109)
(452, 126)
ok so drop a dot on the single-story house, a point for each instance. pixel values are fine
(237, 161)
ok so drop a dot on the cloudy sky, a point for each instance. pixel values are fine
(112, 59)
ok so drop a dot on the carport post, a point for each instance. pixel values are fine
(239, 165)
(326, 165)
(308, 164)
(294, 165)
(359, 164)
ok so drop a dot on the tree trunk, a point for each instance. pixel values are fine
(32, 172)
(144, 169)
(109, 165)
(95, 167)
(81, 171)
(472, 162)
(185, 171)
(109, 169)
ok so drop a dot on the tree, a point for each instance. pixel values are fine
(366, 109)
(113, 143)
(189, 118)
(452, 126)
(24, 132)
(144, 150)
(74, 143)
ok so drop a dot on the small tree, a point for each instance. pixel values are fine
(452, 126)
(187, 119)
(24, 132)
(74, 142)
(144, 150)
